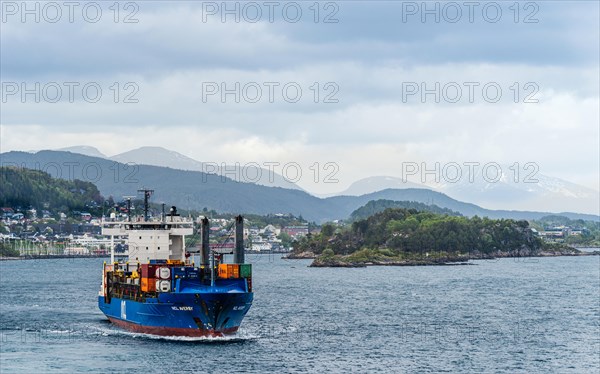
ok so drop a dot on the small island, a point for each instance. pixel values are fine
(414, 237)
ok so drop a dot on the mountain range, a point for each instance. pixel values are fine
(159, 156)
(540, 192)
(193, 189)
(521, 188)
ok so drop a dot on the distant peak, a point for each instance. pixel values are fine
(84, 150)
(149, 151)
(151, 148)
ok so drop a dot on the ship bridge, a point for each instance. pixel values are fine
(151, 240)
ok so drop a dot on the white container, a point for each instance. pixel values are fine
(163, 273)
(163, 285)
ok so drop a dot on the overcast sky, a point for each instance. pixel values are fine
(364, 62)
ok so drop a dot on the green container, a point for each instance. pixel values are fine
(245, 270)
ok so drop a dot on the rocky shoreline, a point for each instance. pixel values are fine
(342, 261)
(301, 256)
(320, 263)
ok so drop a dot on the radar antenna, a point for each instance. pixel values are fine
(147, 194)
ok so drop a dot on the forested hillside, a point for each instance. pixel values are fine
(408, 233)
(27, 188)
(376, 206)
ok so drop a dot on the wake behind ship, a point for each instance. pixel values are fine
(157, 290)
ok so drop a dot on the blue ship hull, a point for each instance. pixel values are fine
(196, 310)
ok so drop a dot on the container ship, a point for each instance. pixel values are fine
(155, 288)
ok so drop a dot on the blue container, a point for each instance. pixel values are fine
(192, 273)
(158, 261)
(178, 272)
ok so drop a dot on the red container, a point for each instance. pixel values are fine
(148, 271)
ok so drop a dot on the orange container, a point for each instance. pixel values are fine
(223, 271)
(228, 271)
(148, 285)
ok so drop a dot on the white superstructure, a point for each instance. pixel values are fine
(151, 240)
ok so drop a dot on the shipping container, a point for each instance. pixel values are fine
(163, 285)
(148, 285)
(163, 272)
(192, 273)
(148, 271)
(229, 271)
(245, 270)
(178, 272)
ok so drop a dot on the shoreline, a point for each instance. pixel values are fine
(46, 257)
(340, 261)
(43, 257)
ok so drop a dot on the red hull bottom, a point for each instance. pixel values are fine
(170, 331)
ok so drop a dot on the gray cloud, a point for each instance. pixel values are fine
(172, 37)
(369, 54)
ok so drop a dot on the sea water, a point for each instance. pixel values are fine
(506, 316)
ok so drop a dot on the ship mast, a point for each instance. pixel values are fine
(128, 199)
(147, 194)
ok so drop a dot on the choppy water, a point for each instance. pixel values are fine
(507, 316)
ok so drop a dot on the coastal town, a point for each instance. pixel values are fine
(29, 232)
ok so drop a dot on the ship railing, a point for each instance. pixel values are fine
(123, 266)
(141, 221)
